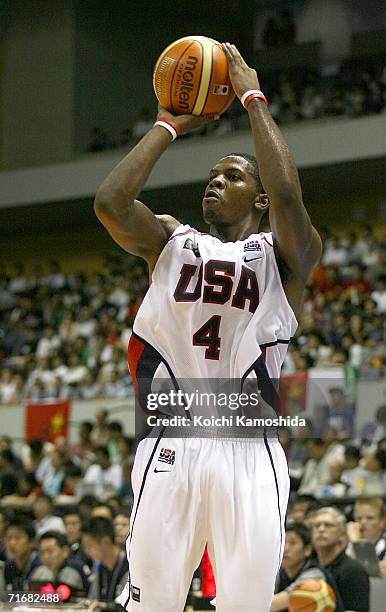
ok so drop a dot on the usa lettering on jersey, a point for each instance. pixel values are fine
(216, 284)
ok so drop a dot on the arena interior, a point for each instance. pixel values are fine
(75, 95)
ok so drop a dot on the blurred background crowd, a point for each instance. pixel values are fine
(66, 335)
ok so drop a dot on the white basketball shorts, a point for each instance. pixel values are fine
(229, 493)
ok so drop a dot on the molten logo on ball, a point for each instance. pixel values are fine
(184, 86)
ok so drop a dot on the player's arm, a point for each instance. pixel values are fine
(130, 223)
(297, 241)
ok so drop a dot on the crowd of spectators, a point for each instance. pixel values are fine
(354, 89)
(65, 512)
(66, 335)
(65, 516)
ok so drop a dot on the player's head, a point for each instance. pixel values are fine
(234, 192)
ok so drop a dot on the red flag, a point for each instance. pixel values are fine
(46, 420)
(293, 393)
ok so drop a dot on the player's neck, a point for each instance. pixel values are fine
(231, 233)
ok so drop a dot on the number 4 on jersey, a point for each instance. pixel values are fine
(208, 335)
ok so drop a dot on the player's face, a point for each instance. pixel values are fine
(231, 192)
(371, 524)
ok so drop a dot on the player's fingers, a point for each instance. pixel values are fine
(236, 53)
(229, 52)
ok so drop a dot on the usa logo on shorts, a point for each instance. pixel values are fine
(167, 456)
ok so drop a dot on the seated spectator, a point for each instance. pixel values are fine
(379, 295)
(340, 412)
(22, 559)
(100, 432)
(55, 563)
(115, 429)
(53, 483)
(329, 538)
(90, 388)
(121, 525)
(353, 472)
(73, 526)
(113, 569)
(104, 476)
(335, 254)
(298, 565)
(317, 469)
(374, 482)
(369, 524)
(8, 480)
(26, 492)
(45, 520)
(103, 509)
(85, 506)
(82, 451)
(76, 372)
(73, 478)
(8, 387)
(48, 343)
(299, 506)
(32, 454)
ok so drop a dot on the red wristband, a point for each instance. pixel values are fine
(172, 123)
(253, 94)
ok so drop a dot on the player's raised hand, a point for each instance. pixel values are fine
(243, 78)
(185, 122)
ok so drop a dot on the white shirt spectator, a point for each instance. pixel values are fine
(49, 523)
(111, 478)
(119, 296)
(8, 391)
(379, 297)
(47, 344)
(75, 374)
(317, 472)
(334, 255)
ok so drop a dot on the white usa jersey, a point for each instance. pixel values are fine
(214, 309)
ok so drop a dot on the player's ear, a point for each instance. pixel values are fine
(262, 202)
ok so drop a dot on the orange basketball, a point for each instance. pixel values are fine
(191, 77)
(312, 596)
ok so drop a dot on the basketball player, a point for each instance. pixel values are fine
(221, 305)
